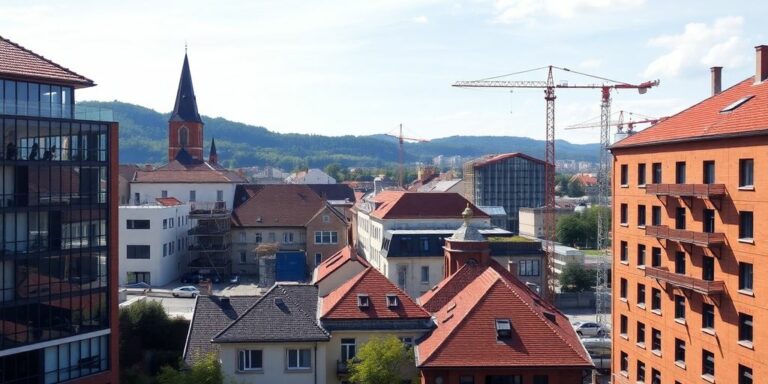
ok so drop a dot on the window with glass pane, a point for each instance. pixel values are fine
(641, 174)
(745, 375)
(624, 362)
(680, 218)
(707, 363)
(656, 257)
(680, 262)
(299, 358)
(640, 333)
(655, 376)
(641, 215)
(624, 251)
(624, 324)
(680, 172)
(641, 294)
(655, 299)
(624, 216)
(679, 351)
(707, 316)
(347, 349)
(745, 225)
(250, 360)
(641, 255)
(655, 340)
(656, 215)
(745, 327)
(679, 307)
(623, 289)
(656, 173)
(708, 268)
(709, 220)
(137, 251)
(425, 274)
(709, 172)
(640, 371)
(624, 174)
(746, 172)
(745, 277)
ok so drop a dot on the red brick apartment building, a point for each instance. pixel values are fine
(688, 276)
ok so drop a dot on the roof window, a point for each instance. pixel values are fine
(392, 301)
(363, 301)
(503, 329)
(550, 316)
(738, 103)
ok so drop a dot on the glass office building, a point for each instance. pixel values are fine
(57, 294)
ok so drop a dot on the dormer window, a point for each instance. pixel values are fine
(392, 301)
(363, 301)
(503, 329)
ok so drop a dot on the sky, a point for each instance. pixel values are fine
(364, 67)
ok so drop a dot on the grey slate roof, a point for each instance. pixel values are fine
(286, 313)
(185, 108)
(210, 316)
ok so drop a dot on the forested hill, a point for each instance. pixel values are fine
(144, 137)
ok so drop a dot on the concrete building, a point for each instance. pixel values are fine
(154, 242)
(511, 180)
(531, 220)
(58, 226)
(310, 176)
(688, 246)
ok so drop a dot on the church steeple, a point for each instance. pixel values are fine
(213, 157)
(185, 127)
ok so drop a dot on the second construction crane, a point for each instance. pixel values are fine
(549, 86)
(401, 154)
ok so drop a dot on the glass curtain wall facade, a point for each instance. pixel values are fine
(54, 242)
(513, 183)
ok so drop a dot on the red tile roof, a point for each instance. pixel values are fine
(706, 121)
(421, 205)
(336, 261)
(585, 179)
(466, 336)
(168, 201)
(20, 63)
(341, 304)
(490, 159)
(279, 205)
(176, 172)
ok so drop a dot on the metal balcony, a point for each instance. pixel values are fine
(702, 239)
(705, 287)
(703, 191)
(208, 209)
(208, 247)
(208, 230)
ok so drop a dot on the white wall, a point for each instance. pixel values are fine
(338, 277)
(274, 363)
(414, 287)
(162, 270)
(205, 192)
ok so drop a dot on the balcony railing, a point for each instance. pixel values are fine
(703, 191)
(202, 230)
(208, 247)
(702, 239)
(704, 287)
(208, 208)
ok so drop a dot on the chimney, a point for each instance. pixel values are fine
(761, 69)
(717, 80)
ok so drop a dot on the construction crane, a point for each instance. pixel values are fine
(549, 86)
(619, 122)
(401, 153)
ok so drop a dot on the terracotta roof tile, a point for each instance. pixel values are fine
(341, 304)
(168, 201)
(20, 63)
(705, 120)
(466, 336)
(283, 205)
(420, 205)
(336, 261)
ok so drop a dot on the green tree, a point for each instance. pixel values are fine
(206, 370)
(333, 170)
(575, 188)
(576, 278)
(383, 361)
(571, 230)
(561, 183)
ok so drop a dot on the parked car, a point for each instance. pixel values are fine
(590, 329)
(191, 278)
(185, 291)
(234, 279)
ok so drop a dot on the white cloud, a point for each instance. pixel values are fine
(700, 45)
(420, 20)
(511, 11)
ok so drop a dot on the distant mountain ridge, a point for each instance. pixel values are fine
(144, 138)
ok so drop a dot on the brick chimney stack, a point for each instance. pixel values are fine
(717, 80)
(761, 69)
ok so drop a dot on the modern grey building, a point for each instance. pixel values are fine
(510, 180)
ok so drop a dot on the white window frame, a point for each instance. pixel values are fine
(244, 356)
(296, 365)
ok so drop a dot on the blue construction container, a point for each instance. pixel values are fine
(290, 266)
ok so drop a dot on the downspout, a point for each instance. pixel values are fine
(316, 367)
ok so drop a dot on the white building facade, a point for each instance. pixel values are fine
(142, 193)
(153, 243)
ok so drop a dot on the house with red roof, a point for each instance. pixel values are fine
(401, 234)
(491, 328)
(337, 269)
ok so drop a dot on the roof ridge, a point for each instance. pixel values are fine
(461, 320)
(189, 330)
(247, 311)
(300, 309)
(540, 315)
(17, 45)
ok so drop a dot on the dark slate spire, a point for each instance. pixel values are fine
(213, 157)
(185, 108)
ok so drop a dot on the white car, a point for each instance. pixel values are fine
(186, 291)
(590, 329)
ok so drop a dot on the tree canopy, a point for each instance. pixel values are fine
(576, 278)
(383, 361)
